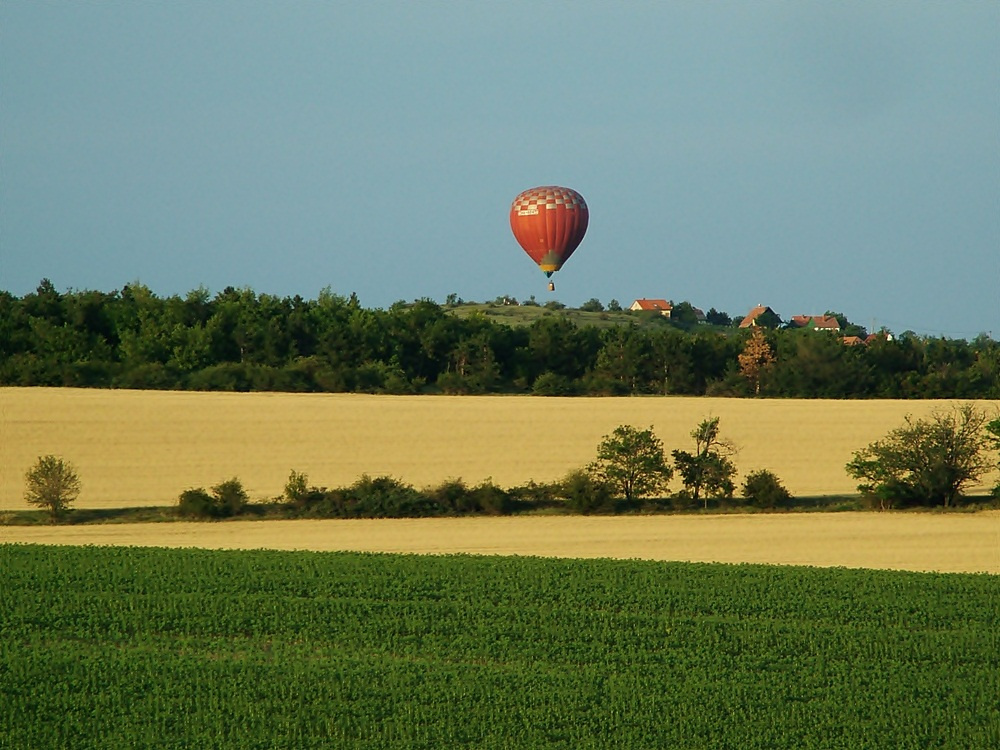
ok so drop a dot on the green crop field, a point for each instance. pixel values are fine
(133, 647)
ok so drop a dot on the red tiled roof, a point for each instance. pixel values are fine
(753, 315)
(827, 322)
(823, 322)
(652, 304)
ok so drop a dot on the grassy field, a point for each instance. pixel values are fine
(133, 647)
(525, 315)
(136, 448)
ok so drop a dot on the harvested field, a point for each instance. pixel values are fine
(952, 542)
(137, 448)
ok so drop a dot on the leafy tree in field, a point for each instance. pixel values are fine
(756, 358)
(592, 305)
(708, 472)
(614, 306)
(926, 461)
(632, 462)
(52, 484)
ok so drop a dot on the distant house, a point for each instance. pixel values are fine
(882, 335)
(854, 341)
(815, 322)
(652, 305)
(760, 315)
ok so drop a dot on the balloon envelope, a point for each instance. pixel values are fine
(549, 223)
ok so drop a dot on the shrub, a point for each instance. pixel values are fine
(230, 498)
(52, 484)
(585, 493)
(764, 490)
(196, 503)
(553, 384)
(298, 494)
(386, 497)
(536, 496)
(490, 498)
(452, 496)
(226, 499)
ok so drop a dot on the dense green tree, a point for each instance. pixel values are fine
(926, 461)
(239, 339)
(623, 355)
(817, 364)
(671, 362)
(684, 316)
(716, 318)
(632, 462)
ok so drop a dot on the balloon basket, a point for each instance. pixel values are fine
(552, 287)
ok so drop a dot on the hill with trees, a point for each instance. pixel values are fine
(240, 340)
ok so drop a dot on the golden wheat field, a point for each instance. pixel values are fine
(134, 448)
(952, 542)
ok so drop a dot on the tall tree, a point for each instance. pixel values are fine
(756, 358)
(709, 471)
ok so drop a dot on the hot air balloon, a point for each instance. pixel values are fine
(549, 223)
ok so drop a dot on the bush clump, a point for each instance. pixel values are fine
(386, 497)
(763, 489)
(585, 493)
(227, 499)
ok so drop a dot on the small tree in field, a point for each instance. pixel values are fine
(926, 461)
(53, 484)
(708, 471)
(632, 462)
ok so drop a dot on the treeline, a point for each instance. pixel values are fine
(239, 340)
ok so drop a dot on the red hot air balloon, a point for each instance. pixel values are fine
(549, 223)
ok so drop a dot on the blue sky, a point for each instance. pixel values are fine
(808, 156)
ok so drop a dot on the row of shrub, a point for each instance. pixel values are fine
(387, 497)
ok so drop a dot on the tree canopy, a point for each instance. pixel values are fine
(925, 461)
(239, 339)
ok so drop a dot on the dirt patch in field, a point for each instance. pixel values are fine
(953, 542)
